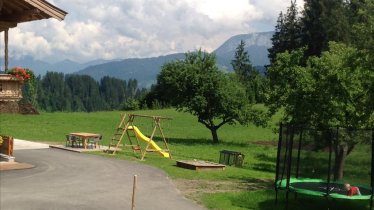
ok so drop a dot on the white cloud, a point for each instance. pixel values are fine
(223, 10)
(28, 43)
(141, 28)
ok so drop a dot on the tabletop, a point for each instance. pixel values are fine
(83, 134)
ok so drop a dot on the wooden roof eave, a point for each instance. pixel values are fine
(13, 12)
(19, 11)
(6, 24)
(48, 9)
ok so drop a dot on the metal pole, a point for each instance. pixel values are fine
(372, 169)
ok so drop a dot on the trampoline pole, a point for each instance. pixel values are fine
(278, 161)
(372, 169)
(298, 156)
(289, 162)
(329, 165)
(298, 153)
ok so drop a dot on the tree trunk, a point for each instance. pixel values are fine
(340, 156)
(214, 135)
(213, 128)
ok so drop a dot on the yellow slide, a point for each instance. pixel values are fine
(153, 145)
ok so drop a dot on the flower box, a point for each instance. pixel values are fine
(10, 88)
(6, 147)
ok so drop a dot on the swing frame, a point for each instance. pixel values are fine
(126, 126)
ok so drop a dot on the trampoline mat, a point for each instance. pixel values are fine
(322, 187)
(318, 187)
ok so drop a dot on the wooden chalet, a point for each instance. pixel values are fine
(13, 12)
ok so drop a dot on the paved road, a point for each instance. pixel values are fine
(73, 181)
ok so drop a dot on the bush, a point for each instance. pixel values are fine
(131, 104)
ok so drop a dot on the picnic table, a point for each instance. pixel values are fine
(85, 137)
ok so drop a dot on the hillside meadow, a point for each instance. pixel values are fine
(248, 187)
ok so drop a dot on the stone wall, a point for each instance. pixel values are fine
(9, 107)
(17, 107)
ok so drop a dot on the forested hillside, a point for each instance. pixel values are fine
(58, 92)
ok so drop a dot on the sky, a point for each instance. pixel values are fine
(118, 29)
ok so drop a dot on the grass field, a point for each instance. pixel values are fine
(248, 187)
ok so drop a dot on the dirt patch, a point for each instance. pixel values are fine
(306, 147)
(27, 108)
(266, 143)
(193, 189)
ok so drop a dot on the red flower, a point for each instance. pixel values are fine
(20, 73)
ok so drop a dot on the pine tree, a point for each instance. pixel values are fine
(324, 21)
(362, 21)
(287, 34)
(247, 74)
(53, 86)
(277, 39)
(242, 64)
(112, 90)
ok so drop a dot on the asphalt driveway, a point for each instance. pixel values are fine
(68, 180)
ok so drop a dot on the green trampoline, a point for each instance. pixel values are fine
(318, 187)
(296, 159)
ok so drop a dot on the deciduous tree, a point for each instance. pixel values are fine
(197, 86)
(332, 90)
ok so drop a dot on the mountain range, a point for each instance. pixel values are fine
(41, 67)
(145, 70)
(257, 45)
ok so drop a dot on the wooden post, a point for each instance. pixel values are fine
(133, 193)
(149, 142)
(163, 137)
(6, 49)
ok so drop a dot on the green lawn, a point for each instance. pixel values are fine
(188, 140)
(54, 126)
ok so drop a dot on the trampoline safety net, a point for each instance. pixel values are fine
(328, 158)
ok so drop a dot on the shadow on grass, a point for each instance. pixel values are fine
(192, 142)
(268, 167)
